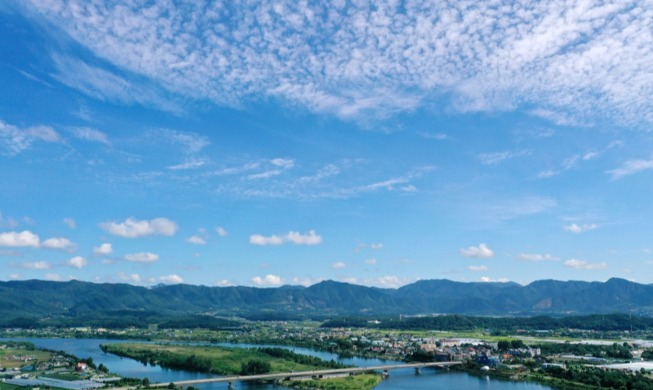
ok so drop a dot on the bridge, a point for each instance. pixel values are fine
(319, 374)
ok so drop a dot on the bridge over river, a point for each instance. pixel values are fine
(308, 374)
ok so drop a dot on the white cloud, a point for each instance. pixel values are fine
(53, 277)
(225, 283)
(591, 155)
(171, 279)
(19, 239)
(196, 240)
(481, 251)
(376, 246)
(390, 281)
(14, 276)
(89, 134)
(104, 249)
(14, 140)
(37, 265)
(338, 265)
(305, 281)
(311, 238)
(575, 228)
(581, 264)
(221, 231)
(536, 257)
(77, 262)
(630, 168)
(70, 223)
(370, 261)
(349, 279)
(304, 239)
(132, 228)
(142, 257)
(268, 280)
(132, 278)
(476, 268)
(487, 279)
(58, 243)
(257, 239)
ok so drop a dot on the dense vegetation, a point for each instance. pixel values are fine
(614, 351)
(220, 360)
(358, 382)
(602, 322)
(34, 303)
(287, 354)
(599, 378)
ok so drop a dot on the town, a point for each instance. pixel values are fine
(545, 356)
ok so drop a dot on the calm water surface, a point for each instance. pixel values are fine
(399, 379)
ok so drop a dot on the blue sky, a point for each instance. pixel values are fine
(376, 143)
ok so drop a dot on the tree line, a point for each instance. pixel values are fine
(599, 322)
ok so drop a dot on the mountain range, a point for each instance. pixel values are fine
(35, 299)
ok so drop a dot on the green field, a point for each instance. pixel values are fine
(362, 382)
(218, 360)
(18, 357)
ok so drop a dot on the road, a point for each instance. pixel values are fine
(303, 374)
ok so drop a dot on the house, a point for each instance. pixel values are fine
(81, 366)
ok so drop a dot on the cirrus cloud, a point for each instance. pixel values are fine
(569, 61)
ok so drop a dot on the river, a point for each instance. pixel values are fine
(399, 379)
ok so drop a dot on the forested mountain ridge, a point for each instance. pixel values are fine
(33, 299)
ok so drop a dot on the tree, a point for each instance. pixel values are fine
(146, 382)
(503, 345)
(255, 367)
